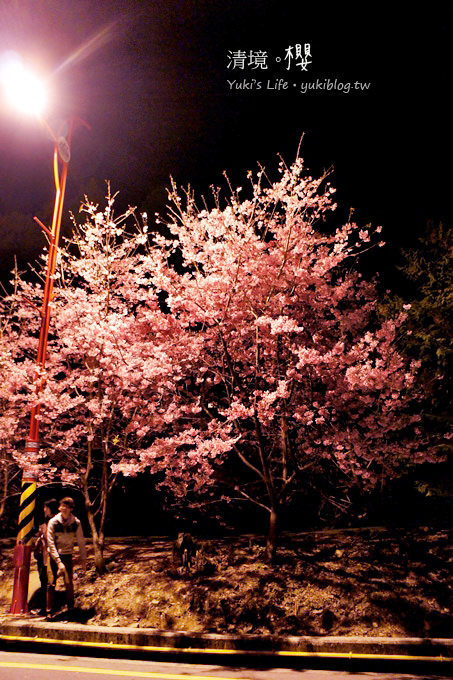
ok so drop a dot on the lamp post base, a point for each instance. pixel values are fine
(21, 560)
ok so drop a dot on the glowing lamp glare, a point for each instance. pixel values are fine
(23, 90)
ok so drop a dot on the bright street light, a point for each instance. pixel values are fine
(23, 89)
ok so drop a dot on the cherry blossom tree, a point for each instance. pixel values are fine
(19, 377)
(97, 383)
(285, 365)
(11, 379)
(244, 341)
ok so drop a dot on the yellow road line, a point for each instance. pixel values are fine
(245, 652)
(108, 671)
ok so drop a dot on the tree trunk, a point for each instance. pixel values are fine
(97, 519)
(4, 495)
(97, 537)
(99, 561)
(97, 540)
(271, 542)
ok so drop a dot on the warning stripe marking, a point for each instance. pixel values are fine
(27, 507)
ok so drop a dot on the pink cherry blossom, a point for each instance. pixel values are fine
(258, 363)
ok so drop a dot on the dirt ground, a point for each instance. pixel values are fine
(352, 582)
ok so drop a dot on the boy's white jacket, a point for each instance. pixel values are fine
(62, 534)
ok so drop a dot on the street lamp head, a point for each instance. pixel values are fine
(23, 89)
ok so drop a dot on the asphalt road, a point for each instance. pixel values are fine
(19, 666)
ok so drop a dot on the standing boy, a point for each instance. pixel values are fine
(63, 531)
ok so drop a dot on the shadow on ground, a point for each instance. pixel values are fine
(367, 582)
(372, 582)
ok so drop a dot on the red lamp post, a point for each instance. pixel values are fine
(23, 548)
(27, 94)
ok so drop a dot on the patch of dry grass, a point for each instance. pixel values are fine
(369, 582)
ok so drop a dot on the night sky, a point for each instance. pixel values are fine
(157, 83)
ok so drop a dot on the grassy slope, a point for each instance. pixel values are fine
(367, 582)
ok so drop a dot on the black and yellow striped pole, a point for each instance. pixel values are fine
(22, 551)
(27, 506)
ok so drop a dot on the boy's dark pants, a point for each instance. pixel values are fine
(52, 571)
(42, 571)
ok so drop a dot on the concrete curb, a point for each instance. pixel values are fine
(154, 641)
